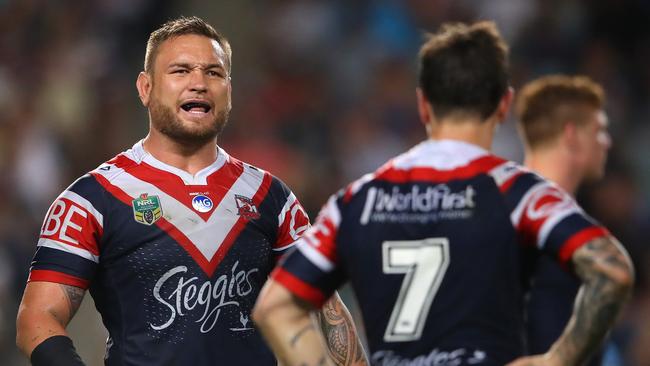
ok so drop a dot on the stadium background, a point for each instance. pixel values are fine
(323, 92)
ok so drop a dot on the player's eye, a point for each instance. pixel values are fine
(214, 73)
(180, 71)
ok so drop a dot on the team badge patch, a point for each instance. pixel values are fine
(246, 208)
(147, 209)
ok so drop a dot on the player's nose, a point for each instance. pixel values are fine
(197, 81)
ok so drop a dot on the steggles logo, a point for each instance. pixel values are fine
(202, 301)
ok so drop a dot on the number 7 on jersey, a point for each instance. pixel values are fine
(423, 263)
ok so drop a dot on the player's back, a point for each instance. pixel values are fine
(435, 244)
(440, 275)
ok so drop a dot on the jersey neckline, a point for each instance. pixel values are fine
(440, 155)
(200, 178)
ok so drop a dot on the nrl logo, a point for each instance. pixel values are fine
(147, 209)
(246, 208)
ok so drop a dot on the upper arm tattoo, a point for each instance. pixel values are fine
(343, 344)
(74, 295)
(603, 267)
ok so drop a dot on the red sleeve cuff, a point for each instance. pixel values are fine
(579, 239)
(57, 277)
(299, 288)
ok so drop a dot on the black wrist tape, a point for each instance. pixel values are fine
(56, 351)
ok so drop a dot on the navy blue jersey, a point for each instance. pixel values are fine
(550, 305)
(173, 261)
(433, 246)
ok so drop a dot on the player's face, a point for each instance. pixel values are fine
(190, 92)
(595, 142)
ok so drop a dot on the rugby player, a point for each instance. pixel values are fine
(174, 237)
(433, 242)
(563, 124)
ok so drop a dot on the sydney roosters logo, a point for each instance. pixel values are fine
(246, 208)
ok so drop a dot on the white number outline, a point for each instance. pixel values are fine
(418, 255)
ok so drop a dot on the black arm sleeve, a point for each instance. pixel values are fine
(56, 351)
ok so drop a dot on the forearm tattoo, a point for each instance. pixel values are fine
(343, 345)
(599, 301)
(74, 295)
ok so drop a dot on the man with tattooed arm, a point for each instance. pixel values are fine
(435, 242)
(563, 125)
(174, 237)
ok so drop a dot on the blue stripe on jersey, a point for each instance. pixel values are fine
(306, 271)
(563, 231)
(519, 187)
(273, 202)
(88, 188)
(52, 259)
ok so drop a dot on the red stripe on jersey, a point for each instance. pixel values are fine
(295, 223)
(231, 170)
(229, 240)
(579, 239)
(426, 174)
(298, 287)
(42, 275)
(164, 225)
(186, 244)
(87, 238)
(505, 187)
(121, 161)
(207, 266)
(114, 190)
(354, 187)
(321, 237)
(174, 186)
(349, 192)
(542, 205)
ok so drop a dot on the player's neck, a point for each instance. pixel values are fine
(555, 165)
(170, 152)
(466, 130)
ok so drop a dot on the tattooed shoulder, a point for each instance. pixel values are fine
(74, 295)
(604, 252)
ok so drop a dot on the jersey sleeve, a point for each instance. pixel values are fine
(293, 221)
(547, 217)
(310, 271)
(68, 247)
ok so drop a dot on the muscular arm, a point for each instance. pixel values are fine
(45, 311)
(607, 275)
(343, 344)
(289, 328)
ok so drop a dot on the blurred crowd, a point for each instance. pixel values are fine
(323, 91)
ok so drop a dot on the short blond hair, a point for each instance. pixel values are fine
(546, 104)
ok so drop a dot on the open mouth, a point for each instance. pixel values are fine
(196, 107)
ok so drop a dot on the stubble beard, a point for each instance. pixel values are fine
(166, 122)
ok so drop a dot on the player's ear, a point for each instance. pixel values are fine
(229, 93)
(504, 104)
(424, 107)
(143, 84)
(570, 136)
